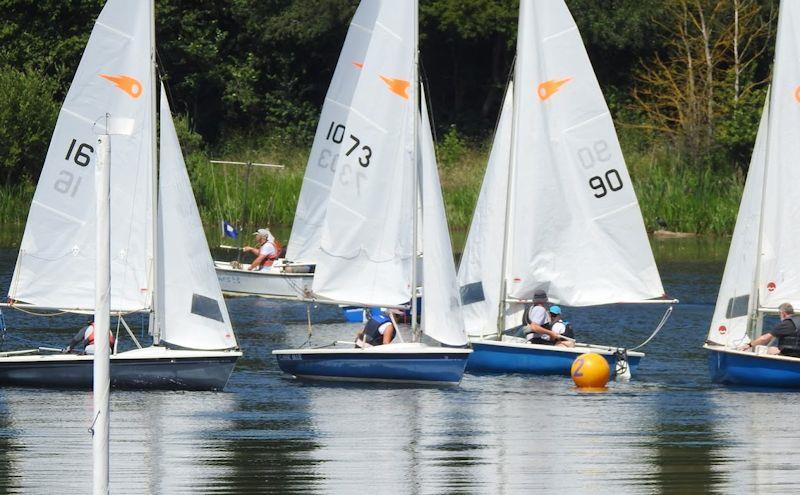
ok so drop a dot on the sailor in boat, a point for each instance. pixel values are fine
(267, 250)
(85, 339)
(561, 327)
(378, 330)
(787, 332)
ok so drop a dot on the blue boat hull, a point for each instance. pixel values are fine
(406, 367)
(748, 369)
(533, 359)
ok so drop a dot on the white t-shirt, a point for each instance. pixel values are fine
(559, 327)
(382, 328)
(268, 250)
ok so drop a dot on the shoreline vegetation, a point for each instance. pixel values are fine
(685, 82)
(676, 201)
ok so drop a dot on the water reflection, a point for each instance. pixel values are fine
(667, 431)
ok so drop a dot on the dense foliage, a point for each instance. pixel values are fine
(686, 77)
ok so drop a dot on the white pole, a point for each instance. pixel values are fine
(153, 323)
(415, 181)
(102, 364)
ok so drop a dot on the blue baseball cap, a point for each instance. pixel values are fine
(556, 310)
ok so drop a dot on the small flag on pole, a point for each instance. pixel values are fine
(228, 230)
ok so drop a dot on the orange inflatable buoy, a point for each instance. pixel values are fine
(590, 370)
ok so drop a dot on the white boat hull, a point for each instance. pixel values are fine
(270, 282)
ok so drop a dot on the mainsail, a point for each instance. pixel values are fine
(56, 259)
(330, 145)
(365, 239)
(779, 274)
(191, 311)
(576, 230)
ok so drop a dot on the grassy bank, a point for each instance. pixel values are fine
(672, 196)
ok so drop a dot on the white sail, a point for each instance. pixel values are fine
(191, 311)
(441, 315)
(365, 239)
(735, 299)
(577, 230)
(56, 259)
(326, 153)
(479, 271)
(779, 279)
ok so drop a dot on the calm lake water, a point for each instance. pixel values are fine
(669, 430)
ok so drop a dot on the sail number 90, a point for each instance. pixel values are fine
(599, 152)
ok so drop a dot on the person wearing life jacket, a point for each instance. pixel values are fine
(561, 327)
(85, 339)
(536, 320)
(267, 250)
(787, 332)
(378, 330)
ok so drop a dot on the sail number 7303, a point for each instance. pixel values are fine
(599, 153)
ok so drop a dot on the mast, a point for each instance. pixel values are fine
(153, 323)
(415, 181)
(101, 366)
(512, 167)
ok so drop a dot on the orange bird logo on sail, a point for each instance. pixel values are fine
(797, 94)
(397, 86)
(551, 87)
(358, 65)
(127, 84)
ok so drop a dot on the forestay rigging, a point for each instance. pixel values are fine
(365, 240)
(191, 311)
(56, 260)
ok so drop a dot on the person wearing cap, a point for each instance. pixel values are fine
(538, 322)
(378, 330)
(536, 315)
(266, 252)
(560, 327)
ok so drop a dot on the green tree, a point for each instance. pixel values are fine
(27, 117)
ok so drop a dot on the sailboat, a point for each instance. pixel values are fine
(194, 345)
(761, 272)
(293, 279)
(384, 211)
(557, 211)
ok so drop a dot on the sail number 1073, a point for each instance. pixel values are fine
(599, 152)
(336, 134)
